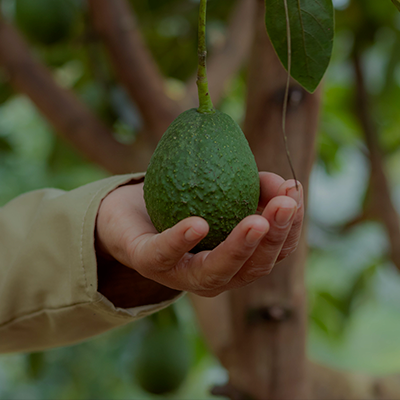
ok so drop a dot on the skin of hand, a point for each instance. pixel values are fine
(125, 233)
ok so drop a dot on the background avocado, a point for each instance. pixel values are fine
(46, 21)
(163, 360)
(203, 166)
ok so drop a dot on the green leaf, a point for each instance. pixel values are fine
(396, 3)
(312, 32)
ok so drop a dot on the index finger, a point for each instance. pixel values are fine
(208, 272)
(296, 193)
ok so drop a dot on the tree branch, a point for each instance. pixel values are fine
(136, 69)
(382, 203)
(71, 119)
(226, 62)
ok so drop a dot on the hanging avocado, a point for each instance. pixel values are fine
(203, 166)
(46, 21)
(164, 357)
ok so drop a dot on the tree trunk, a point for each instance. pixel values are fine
(259, 332)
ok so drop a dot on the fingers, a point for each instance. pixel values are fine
(205, 273)
(285, 214)
(289, 189)
(273, 185)
(220, 265)
(163, 251)
(269, 187)
(280, 213)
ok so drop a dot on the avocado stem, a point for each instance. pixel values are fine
(206, 105)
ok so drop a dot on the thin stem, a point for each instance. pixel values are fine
(205, 104)
(286, 99)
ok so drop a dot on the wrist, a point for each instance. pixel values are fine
(126, 288)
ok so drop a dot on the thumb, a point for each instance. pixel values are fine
(164, 250)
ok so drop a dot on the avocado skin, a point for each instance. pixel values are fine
(202, 166)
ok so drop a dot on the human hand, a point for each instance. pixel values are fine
(258, 242)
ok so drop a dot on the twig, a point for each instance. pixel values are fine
(381, 196)
(115, 23)
(61, 107)
(205, 104)
(223, 64)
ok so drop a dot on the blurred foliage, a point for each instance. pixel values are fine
(354, 291)
(352, 307)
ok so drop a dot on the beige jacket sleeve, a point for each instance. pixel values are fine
(48, 271)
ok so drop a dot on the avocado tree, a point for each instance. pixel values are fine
(259, 332)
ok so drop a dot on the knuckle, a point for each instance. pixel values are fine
(175, 247)
(286, 252)
(289, 250)
(242, 281)
(275, 239)
(161, 258)
(213, 282)
(256, 273)
(290, 246)
(241, 253)
(166, 251)
(134, 250)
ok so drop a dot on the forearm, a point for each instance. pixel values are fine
(48, 271)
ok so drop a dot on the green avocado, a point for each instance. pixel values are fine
(163, 360)
(203, 166)
(46, 21)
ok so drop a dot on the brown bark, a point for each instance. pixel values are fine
(381, 204)
(215, 318)
(270, 356)
(132, 61)
(225, 62)
(328, 384)
(61, 107)
(260, 330)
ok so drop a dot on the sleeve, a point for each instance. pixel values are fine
(48, 269)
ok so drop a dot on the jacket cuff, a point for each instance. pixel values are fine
(49, 296)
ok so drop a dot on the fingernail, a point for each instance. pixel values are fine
(191, 235)
(253, 236)
(284, 215)
(296, 193)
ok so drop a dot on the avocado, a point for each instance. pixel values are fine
(163, 360)
(202, 166)
(46, 21)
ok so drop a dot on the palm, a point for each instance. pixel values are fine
(252, 249)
